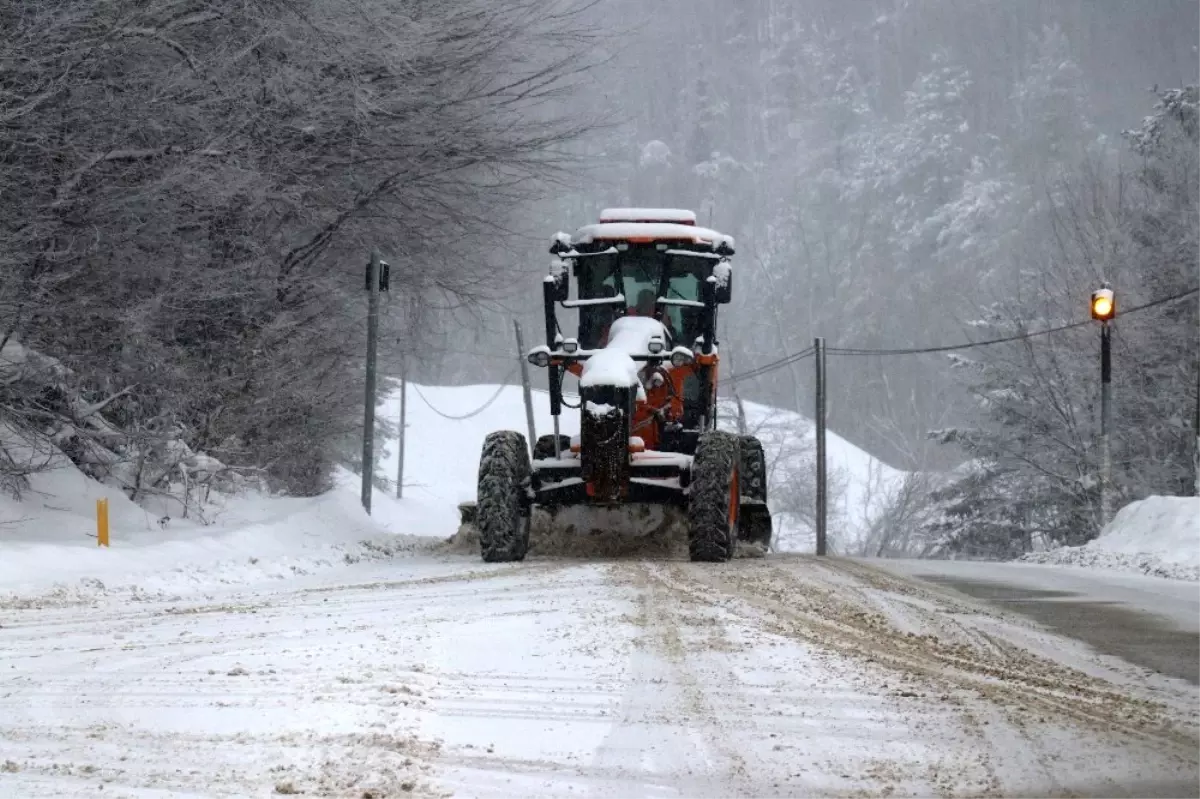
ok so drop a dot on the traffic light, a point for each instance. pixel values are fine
(1104, 305)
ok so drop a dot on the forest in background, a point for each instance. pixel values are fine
(191, 189)
(914, 173)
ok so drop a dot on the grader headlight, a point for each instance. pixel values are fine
(681, 356)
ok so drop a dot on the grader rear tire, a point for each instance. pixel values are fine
(754, 518)
(714, 498)
(502, 507)
(543, 448)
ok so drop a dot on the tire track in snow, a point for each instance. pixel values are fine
(864, 706)
(666, 697)
(809, 600)
(778, 719)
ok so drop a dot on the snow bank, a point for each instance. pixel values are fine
(442, 460)
(441, 457)
(49, 553)
(1159, 536)
(860, 484)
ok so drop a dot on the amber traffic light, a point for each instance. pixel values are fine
(1104, 306)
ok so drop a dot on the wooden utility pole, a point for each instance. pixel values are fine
(403, 423)
(822, 486)
(368, 444)
(1196, 452)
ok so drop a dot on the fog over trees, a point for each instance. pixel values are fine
(190, 190)
(907, 174)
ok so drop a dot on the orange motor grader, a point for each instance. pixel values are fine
(649, 283)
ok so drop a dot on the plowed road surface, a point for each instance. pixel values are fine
(437, 676)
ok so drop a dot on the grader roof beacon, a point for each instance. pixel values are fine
(648, 286)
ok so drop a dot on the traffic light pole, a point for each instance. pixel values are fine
(368, 444)
(820, 435)
(1105, 420)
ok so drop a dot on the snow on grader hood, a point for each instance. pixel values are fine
(629, 337)
(649, 287)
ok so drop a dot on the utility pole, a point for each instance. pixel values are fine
(403, 423)
(1196, 430)
(368, 450)
(1104, 310)
(819, 344)
(525, 387)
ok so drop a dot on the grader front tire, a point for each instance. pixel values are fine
(714, 498)
(502, 507)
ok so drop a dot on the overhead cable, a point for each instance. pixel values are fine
(1004, 339)
(772, 366)
(477, 411)
(790, 359)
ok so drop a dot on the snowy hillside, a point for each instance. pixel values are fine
(49, 545)
(1156, 535)
(49, 553)
(442, 457)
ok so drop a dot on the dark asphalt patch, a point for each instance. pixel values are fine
(1110, 628)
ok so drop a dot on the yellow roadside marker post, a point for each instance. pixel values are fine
(102, 522)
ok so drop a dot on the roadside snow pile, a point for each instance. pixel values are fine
(860, 485)
(49, 554)
(1159, 536)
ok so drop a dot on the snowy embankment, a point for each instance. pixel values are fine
(442, 460)
(1159, 536)
(48, 551)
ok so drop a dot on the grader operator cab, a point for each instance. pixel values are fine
(649, 283)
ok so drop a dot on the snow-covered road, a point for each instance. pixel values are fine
(439, 675)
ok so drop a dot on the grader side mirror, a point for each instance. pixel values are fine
(558, 285)
(722, 280)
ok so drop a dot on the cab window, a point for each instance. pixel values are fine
(686, 275)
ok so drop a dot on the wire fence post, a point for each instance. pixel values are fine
(819, 345)
(368, 444)
(400, 434)
(526, 389)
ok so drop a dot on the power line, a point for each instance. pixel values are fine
(790, 359)
(1003, 340)
(477, 411)
(757, 371)
(787, 360)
